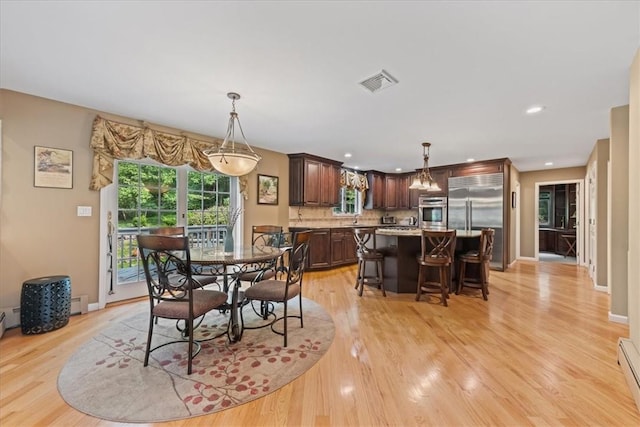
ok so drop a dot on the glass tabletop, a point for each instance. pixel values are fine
(240, 254)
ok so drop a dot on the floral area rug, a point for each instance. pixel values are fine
(106, 378)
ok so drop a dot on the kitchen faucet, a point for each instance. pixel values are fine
(355, 218)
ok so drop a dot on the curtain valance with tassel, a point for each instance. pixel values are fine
(351, 179)
(112, 140)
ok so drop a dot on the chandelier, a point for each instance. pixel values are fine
(424, 180)
(231, 159)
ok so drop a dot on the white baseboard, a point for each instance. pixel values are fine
(79, 305)
(601, 288)
(629, 360)
(528, 258)
(618, 318)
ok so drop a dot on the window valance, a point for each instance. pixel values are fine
(351, 179)
(113, 140)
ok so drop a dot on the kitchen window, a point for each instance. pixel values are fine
(350, 202)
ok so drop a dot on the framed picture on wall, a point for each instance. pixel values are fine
(53, 167)
(267, 190)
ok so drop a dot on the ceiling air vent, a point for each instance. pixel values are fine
(379, 81)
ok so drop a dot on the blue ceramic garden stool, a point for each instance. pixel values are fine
(45, 304)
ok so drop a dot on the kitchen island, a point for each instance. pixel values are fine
(401, 247)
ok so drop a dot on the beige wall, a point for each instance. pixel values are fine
(599, 159)
(618, 209)
(514, 182)
(529, 208)
(40, 233)
(633, 278)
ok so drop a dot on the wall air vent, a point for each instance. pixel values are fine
(378, 82)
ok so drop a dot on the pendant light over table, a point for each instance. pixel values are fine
(233, 159)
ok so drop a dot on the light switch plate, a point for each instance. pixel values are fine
(84, 210)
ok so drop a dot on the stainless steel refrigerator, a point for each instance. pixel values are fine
(476, 202)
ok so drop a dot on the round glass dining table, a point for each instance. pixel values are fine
(230, 265)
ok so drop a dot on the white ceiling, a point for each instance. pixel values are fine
(467, 70)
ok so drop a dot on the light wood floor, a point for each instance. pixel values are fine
(540, 352)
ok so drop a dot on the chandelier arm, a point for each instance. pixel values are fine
(243, 137)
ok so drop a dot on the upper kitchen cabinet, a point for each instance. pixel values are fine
(404, 181)
(391, 191)
(313, 181)
(480, 168)
(376, 192)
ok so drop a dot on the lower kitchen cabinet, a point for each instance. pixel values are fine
(319, 255)
(343, 247)
(329, 247)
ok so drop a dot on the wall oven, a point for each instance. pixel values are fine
(432, 212)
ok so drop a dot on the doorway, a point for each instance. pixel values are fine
(559, 222)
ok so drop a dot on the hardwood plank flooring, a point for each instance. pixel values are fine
(540, 352)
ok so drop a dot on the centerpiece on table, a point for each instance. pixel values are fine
(234, 214)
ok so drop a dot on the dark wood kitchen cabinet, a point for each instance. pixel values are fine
(391, 191)
(313, 181)
(376, 192)
(343, 247)
(319, 252)
(329, 247)
(404, 181)
(546, 240)
(480, 168)
(388, 191)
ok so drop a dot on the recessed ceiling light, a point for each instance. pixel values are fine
(548, 164)
(471, 160)
(356, 167)
(398, 169)
(347, 155)
(535, 109)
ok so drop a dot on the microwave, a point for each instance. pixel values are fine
(388, 220)
(432, 212)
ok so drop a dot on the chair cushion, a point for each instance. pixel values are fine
(271, 290)
(204, 300)
(204, 279)
(370, 255)
(471, 256)
(251, 277)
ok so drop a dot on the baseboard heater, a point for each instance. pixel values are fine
(629, 360)
(79, 305)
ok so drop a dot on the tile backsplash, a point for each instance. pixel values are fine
(324, 217)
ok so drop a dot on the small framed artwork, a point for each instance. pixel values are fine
(267, 190)
(53, 167)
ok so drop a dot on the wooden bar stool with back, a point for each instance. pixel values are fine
(367, 252)
(482, 258)
(436, 252)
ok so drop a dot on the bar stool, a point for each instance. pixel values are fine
(437, 252)
(367, 251)
(481, 257)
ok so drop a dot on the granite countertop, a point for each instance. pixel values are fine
(414, 231)
(320, 227)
